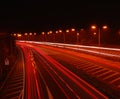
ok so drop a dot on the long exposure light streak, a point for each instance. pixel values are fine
(81, 48)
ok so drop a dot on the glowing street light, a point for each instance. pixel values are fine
(93, 27)
(43, 33)
(56, 32)
(94, 33)
(19, 35)
(67, 31)
(15, 34)
(60, 31)
(50, 32)
(104, 27)
(35, 33)
(72, 29)
(26, 34)
(30, 33)
(45, 38)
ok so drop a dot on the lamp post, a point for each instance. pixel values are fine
(78, 38)
(99, 37)
(99, 32)
(44, 36)
(64, 35)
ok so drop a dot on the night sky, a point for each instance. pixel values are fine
(44, 15)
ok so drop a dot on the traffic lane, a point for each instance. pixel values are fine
(32, 91)
(105, 76)
(105, 79)
(71, 78)
(32, 87)
(107, 53)
(91, 91)
(110, 55)
(49, 80)
(56, 83)
(115, 51)
(95, 59)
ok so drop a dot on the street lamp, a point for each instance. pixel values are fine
(60, 31)
(56, 32)
(64, 38)
(44, 35)
(35, 33)
(99, 32)
(26, 34)
(72, 29)
(78, 38)
(67, 31)
(19, 35)
(30, 33)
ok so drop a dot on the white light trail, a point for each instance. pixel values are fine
(82, 48)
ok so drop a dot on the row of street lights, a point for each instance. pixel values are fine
(59, 31)
(93, 27)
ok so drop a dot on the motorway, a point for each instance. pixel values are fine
(58, 73)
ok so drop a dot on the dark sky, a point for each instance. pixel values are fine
(28, 15)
